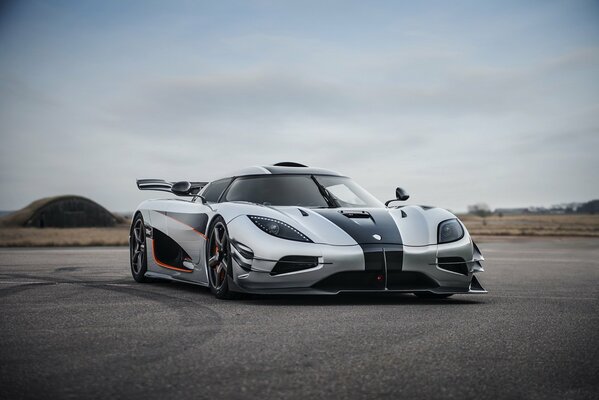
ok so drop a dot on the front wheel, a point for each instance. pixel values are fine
(219, 259)
(138, 254)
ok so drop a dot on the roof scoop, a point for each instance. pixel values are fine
(290, 164)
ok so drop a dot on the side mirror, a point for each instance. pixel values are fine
(400, 195)
(185, 188)
(182, 188)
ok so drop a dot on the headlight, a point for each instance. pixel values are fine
(278, 228)
(450, 231)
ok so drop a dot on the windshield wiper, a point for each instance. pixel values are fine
(331, 201)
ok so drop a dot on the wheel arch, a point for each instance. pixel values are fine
(132, 225)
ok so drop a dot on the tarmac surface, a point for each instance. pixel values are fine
(74, 324)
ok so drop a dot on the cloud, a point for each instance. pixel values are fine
(412, 99)
(275, 94)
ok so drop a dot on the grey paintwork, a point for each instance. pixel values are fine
(336, 250)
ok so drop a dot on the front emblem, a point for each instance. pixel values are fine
(377, 237)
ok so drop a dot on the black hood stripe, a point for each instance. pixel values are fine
(362, 230)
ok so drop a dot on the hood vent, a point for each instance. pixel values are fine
(356, 214)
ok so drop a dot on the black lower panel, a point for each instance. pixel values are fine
(408, 280)
(365, 280)
(352, 280)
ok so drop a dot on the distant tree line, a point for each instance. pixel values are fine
(480, 209)
(590, 207)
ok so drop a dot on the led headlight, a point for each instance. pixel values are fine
(450, 231)
(278, 228)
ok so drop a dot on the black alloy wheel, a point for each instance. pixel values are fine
(137, 250)
(219, 259)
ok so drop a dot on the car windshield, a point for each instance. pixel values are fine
(318, 191)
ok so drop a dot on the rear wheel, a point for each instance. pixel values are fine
(431, 295)
(219, 260)
(137, 250)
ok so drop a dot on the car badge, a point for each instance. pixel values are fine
(377, 237)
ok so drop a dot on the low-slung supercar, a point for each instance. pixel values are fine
(291, 229)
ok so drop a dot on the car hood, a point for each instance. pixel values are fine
(408, 225)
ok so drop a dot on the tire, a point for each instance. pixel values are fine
(138, 253)
(431, 295)
(219, 261)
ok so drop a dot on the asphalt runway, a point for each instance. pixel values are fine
(74, 324)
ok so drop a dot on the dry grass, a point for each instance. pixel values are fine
(57, 237)
(533, 225)
(511, 225)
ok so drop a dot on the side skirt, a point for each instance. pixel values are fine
(157, 275)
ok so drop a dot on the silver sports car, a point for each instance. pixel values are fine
(291, 229)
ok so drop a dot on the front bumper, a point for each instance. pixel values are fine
(353, 268)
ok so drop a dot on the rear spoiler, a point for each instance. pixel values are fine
(181, 188)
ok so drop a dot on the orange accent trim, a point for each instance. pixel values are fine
(163, 265)
(192, 228)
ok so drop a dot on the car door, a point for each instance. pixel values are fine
(187, 224)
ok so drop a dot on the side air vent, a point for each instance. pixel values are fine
(294, 263)
(453, 264)
(168, 253)
(242, 249)
(290, 164)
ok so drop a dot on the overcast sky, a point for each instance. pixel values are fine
(457, 102)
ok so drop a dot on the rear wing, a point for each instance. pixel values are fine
(181, 188)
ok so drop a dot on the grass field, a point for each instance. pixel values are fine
(58, 237)
(513, 225)
(533, 225)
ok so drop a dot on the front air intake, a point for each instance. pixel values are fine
(453, 264)
(294, 263)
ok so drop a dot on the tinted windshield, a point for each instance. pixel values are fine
(301, 190)
(347, 193)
